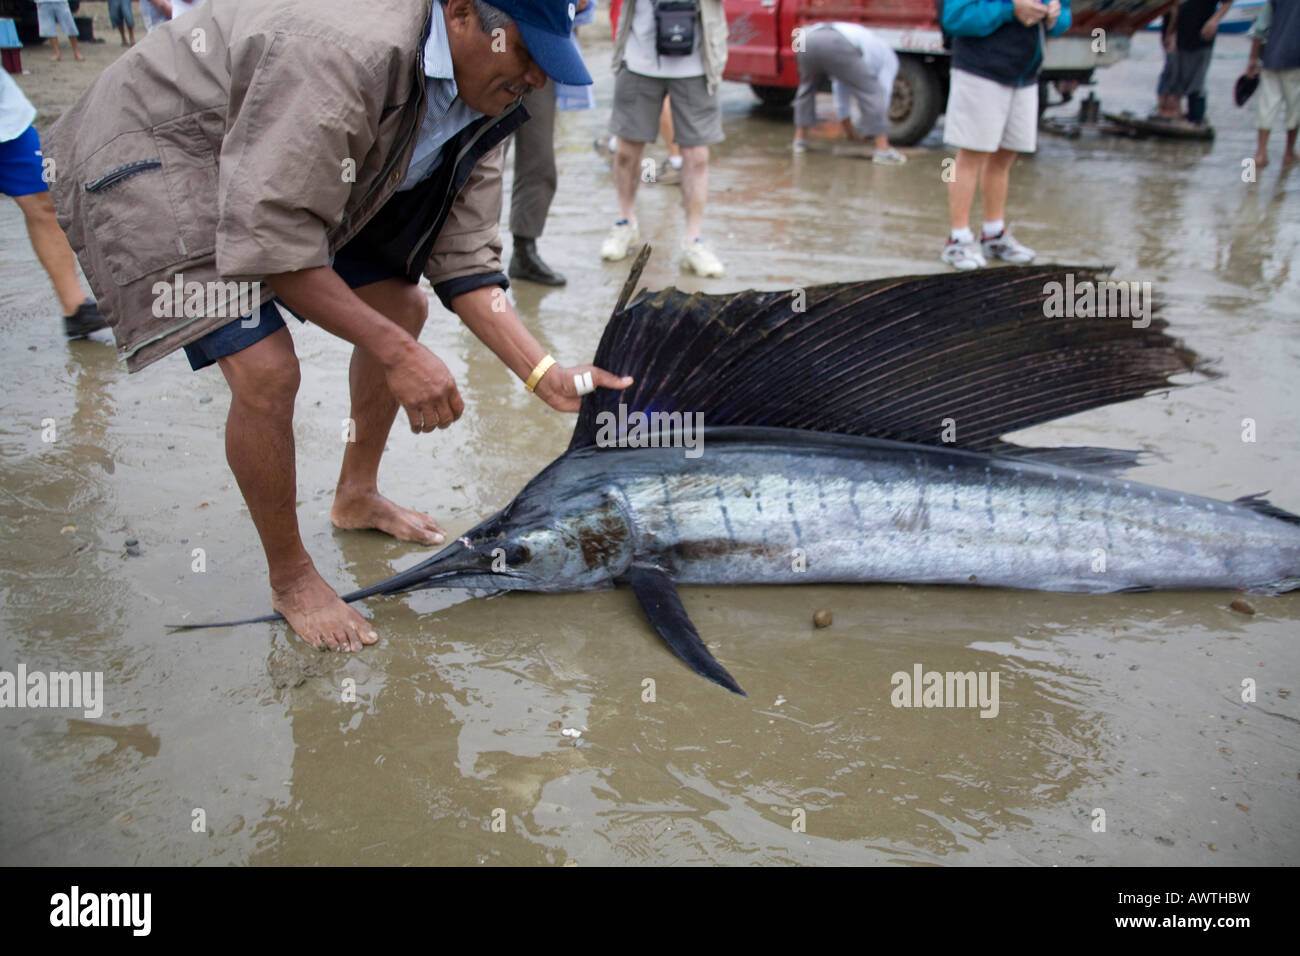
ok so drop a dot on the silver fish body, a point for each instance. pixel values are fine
(775, 506)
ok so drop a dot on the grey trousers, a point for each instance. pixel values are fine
(828, 55)
(534, 186)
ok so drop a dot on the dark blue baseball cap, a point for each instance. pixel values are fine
(547, 27)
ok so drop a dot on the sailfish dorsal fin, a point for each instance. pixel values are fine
(955, 359)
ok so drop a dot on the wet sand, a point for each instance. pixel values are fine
(1129, 704)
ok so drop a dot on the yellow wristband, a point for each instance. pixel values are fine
(542, 368)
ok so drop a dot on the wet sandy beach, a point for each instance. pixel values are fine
(1131, 704)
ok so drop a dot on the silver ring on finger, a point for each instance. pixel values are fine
(582, 384)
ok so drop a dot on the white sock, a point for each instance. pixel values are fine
(963, 235)
(613, 144)
(992, 229)
(675, 162)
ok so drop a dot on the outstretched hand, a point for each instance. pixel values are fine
(559, 389)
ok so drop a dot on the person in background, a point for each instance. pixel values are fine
(669, 171)
(643, 77)
(535, 175)
(1190, 29)
(155, 13)
(53, 16)
(22, 178)
(1275, 59)
(121, 19)
(992, 115)
(861, 67)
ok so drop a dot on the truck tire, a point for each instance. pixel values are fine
(774, 95)
(917, 101)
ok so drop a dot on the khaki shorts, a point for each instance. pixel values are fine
(986, 116)
(638, 100)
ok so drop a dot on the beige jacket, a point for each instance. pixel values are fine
(713, 42)
(245, 139)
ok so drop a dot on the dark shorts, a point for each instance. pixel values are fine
(20, 165)
(239, 334)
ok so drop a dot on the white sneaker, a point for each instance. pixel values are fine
(619, 242)
(963, 255)
(888, 157)
(697, 257)
(1004, 246)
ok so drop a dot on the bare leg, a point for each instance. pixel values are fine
(52, 249)
(1261, 149)
(967, 173)
(627, 175)
(1289, 156)
(357, 501)
(695, 187)
(54, 45)
(76, 52)
(263, 381)
(882, 143)
(994, 183)
(666, 128)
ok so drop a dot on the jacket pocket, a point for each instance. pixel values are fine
(150, 198)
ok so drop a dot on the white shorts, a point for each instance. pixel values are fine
(1275, 88)
(986, 116)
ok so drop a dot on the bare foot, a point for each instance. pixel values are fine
(1289, 158)
(78, 56)
(1261, 160)
(319, 616)
(354, 512)
(57, 59)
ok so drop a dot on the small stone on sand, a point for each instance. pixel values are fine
(1242, 606)
(822, 618)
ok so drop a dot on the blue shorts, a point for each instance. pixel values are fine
(20, 165)
(235, 337)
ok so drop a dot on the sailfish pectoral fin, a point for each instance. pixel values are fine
(663, 606)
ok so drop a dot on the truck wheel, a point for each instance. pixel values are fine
(917, 101)
(774, 95)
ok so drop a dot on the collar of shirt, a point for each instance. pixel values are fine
(445, 113)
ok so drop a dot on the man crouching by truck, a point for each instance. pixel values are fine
(333, 153)
(997, 52)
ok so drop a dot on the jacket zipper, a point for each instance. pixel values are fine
(448, 200)
(113, 177)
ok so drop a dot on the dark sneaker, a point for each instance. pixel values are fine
(84, 321)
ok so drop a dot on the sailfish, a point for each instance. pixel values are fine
(853, 434)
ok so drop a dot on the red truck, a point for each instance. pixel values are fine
(760, 49)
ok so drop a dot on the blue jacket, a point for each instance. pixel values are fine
(990, 42)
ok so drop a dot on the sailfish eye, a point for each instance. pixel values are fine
(518, 554)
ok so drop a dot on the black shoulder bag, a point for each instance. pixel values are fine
(675, 26)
